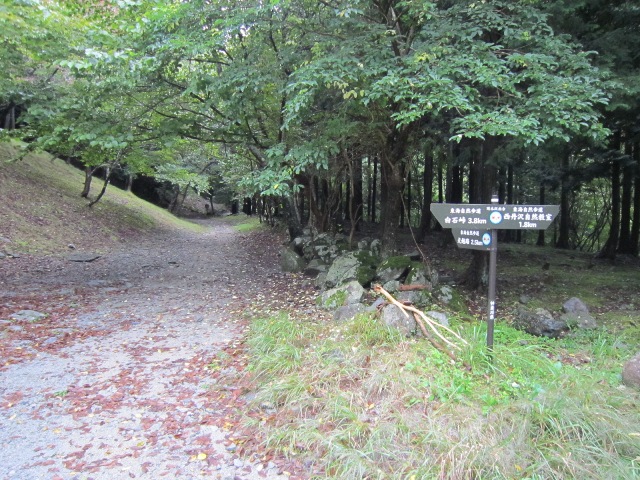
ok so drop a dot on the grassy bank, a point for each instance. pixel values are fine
(359, 401)
(42, 211)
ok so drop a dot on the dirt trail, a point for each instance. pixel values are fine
(126, 376)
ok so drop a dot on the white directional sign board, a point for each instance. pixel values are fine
(475, 227)
(460, 216)
(473, 238)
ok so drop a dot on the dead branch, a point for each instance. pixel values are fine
(423, 321)
(413, 286)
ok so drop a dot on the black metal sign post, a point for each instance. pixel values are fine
(474, 226)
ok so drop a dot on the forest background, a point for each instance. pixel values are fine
(333, 114)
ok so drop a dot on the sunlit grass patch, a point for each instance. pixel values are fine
(360, 401)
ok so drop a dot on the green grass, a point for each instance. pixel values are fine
(43, 212)
(360, 401)
(243, 223)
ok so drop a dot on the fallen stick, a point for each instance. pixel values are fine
(413, 287)
(422, 320)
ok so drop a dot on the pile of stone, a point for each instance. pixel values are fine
(344, 274)
(542, 323)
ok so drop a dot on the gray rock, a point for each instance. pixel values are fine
(314, 267)
(412, 296)
(574, 305)
(364, 244)
(539, 322)
(376, 248)
(2, 255)
(577, 314)
(290, 261)
(28, 316)
(15, 328)
(524, 299)
(439, 317)
(631, 372)
(347, 312)
(379, 302)
(347, 294)
(391, 286)
(579, 320)
(5, 240)
(445, 294)
(394, 317)
(83, 257)
(393, 268)
(343, 269)
(321, 280)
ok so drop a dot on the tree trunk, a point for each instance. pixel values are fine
(541, 238)
(107, 178)
(88, 176)
(509, 235)
(565, 192)
(625, 245)
(477, 273)
(427, 188)
(129, 182)
(374, 191)
(292, 217)
(611, 245)
(635, 229)
(357, 194)
(393, 184)
(10, 118)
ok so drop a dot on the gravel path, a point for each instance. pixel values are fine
(128, 374)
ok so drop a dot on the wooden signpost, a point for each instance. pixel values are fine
(475, 227)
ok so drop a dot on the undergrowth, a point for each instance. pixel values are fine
(360, 401)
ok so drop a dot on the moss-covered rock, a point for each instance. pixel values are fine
(348, 294)
(393, 268)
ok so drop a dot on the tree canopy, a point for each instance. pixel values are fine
(304, 101)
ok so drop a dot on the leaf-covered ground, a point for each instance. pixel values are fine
(137, 370)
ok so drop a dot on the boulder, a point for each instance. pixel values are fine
(539, 322)
(394, 317)
(298, 243)
(348, 294)
(376, 248)
(320, 280)
(290, 261)
(367, 269)
(439, 317)
(347, 312)
(314, 267)
(343, 269)
(445, 294)
(577, 314)
(418, 274)
(631, 372)
(393, 268)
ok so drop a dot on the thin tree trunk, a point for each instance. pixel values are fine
(611, 245)
(477, 273)
(625, 245)
(635, 229)
(565, 219)
(541, 238)
(129, 182)
(88, 176)
(374, 192)
(427, 188)
(107, 178)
